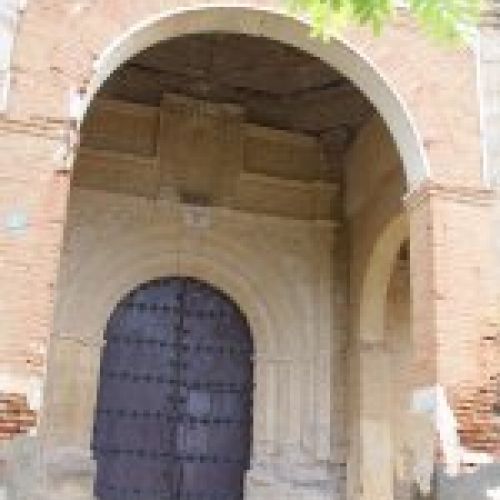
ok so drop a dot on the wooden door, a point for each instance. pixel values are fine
(174, 410)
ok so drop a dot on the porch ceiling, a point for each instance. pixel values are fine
(277, 85)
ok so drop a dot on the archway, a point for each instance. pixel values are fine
(384, 341)
(141, 25)
(296, 374)
(174, 408)
(377, 276)
(338, 54)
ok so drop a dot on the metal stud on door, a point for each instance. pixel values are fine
(174, 410)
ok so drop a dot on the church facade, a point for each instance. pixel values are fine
(239, 262)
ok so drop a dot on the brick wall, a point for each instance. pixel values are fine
(15, 415)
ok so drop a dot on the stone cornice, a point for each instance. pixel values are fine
(472, 195)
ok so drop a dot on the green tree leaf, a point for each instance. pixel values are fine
(449, 20)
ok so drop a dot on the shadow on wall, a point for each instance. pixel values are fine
(482, 484)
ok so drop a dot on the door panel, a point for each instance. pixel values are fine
(174, 410)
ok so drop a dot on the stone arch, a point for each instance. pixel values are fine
(346, 57)
(376, 279)
(216, 264)
(375, 372)
(270, 23)
(155, 252)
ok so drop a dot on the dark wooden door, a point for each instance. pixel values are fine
(174, 409)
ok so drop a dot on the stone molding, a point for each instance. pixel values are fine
(472, 195)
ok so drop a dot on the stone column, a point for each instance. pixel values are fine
(376, 464)
(452, 299)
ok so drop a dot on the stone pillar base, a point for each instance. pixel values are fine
(31, 472)
(282, 479)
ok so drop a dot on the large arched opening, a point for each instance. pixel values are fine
(339, 54)
(227, 145)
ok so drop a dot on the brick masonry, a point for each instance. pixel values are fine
(16, 417)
